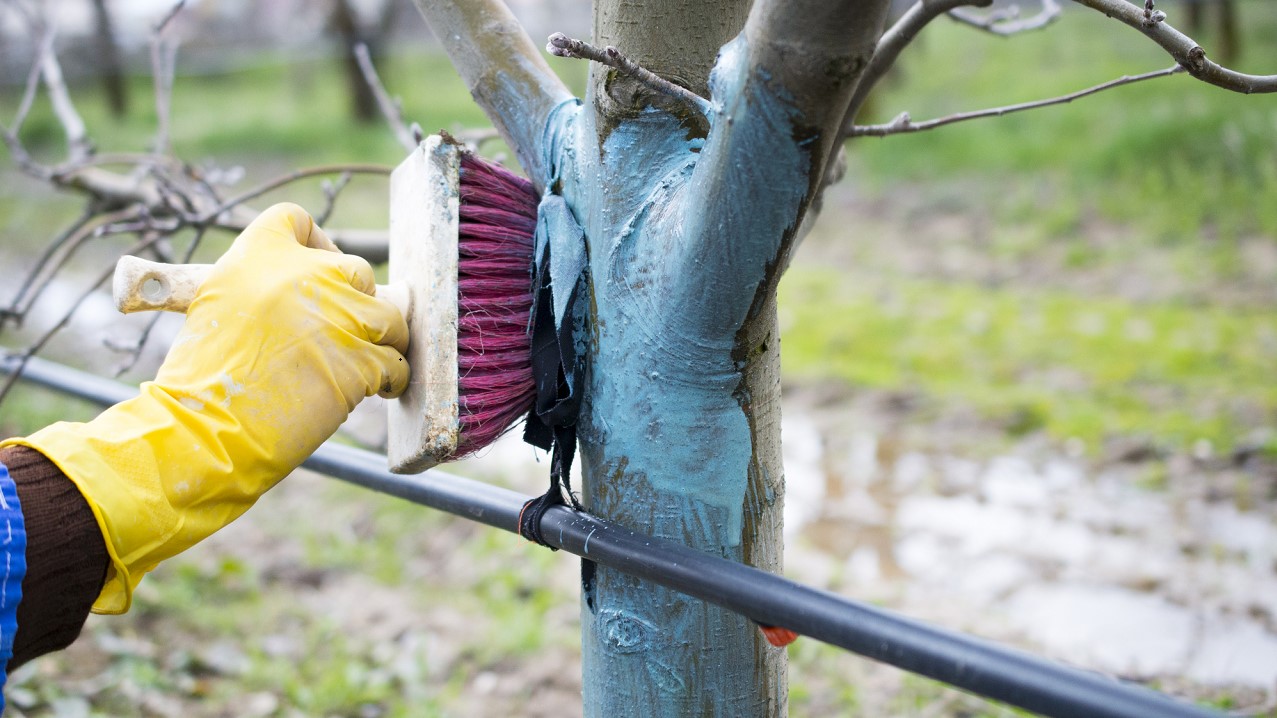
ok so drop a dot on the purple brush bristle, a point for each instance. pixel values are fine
(494, 289)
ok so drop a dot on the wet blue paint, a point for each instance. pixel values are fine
(681, 233)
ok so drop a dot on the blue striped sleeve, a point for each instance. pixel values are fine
(13, 566)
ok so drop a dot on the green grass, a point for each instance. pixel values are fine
(28, 408)
(1168, 183)
(1079, 367)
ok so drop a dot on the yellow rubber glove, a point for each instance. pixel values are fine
(279, 345)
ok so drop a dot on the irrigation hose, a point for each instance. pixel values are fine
(987, 669)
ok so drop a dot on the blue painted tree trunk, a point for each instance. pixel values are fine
(679, 433)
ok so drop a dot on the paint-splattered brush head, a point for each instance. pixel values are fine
(497, 220)
(461, 243)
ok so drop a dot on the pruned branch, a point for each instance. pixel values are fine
(1007, 21)
(1181, 47)
(561, 45)
(902, 124)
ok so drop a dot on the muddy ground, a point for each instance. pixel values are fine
(929, 510)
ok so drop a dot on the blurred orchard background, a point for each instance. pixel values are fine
(1029, 369)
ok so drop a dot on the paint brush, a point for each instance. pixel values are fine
(461, 247)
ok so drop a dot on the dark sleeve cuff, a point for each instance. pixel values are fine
(66, 556)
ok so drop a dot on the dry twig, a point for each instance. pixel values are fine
(902, 124)
(1008, 21)
(561, 45)
(163, 69)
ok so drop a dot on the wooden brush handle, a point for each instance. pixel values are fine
(140, 285)
(143, 286)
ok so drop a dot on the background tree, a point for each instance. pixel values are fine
(110, 65)
(372, 34)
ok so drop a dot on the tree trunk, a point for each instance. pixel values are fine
(680, 437)
(1229, 33)
(363, 103)
(110, 66)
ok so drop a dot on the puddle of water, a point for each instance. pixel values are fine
(1105, 627)
(1085, 568)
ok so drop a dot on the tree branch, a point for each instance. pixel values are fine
(285, 179)
(78, 145)
(902, 124)
(19, 304)
(35, 347)
(163, 69)
(33, 82)
(390, 108)
(561, 45)
(1007, 21)
(779, 89)
(894, 41)
(1184, 49)
(505, 72)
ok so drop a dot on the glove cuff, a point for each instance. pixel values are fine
(143, 470)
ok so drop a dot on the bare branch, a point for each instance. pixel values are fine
(153, 195)
(474, 139)
(504, 71)
(78, 145)
(390, 108)
(561, 45)
(371, 244)
(902, 124)
(21, 157)
(57, 256)
(18, 305)
(331, 191)
(1008, 21)
(163, 69)
(894, 41)
(35, 347)
(173, 12)
(1181, 47)
(33, 82)
(289, 178)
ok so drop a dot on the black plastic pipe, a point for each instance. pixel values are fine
(969, 663)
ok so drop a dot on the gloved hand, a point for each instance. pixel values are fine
(280, 343)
